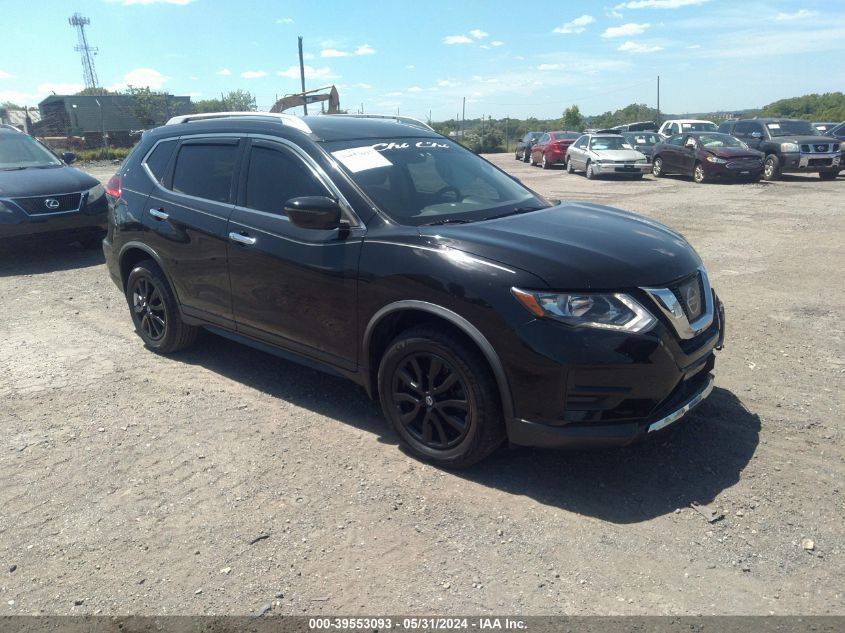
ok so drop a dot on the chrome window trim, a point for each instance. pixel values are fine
(668, 304)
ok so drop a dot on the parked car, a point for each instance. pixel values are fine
(41, 196)
(6, 126)
(790, 146)
(707, 156)
(475, 310)
(824, 128)
(640, 126)
(550, 148)
(838, 132)
(643, 142)
(606, 154)
(682, 126)
(523, 146)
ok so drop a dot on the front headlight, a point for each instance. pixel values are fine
(95, 193)
(790, 147)
(716, 159)
(617, 311)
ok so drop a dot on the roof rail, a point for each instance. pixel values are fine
(401, 119)
(285, 119)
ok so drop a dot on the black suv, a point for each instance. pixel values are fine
(524, 145)
(475, 310)
(790, 145)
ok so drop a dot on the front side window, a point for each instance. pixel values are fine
(420, 181)
(205, 170)
(21, 151)
(274, 177)
(674, 140)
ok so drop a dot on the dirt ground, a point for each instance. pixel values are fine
(227, 481)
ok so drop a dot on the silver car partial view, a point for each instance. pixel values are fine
(606, 154)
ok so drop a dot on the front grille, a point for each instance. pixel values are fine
(57, 204)
(820, 162)
(821, 147)
(690, 294)
(744, 163)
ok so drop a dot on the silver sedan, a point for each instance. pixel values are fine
(603, 154)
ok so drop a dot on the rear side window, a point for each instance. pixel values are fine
(158, 160)
(275, 176)
(205, 170)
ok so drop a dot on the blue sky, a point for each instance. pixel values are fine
(512, 58)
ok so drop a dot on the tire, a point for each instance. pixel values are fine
(526, 155)
(657, 167)
(828, 175)
(569, 169)
(698, 174)
(545, 164)
(590, 173)
(411, 379)
(771, 168)
(154, 310)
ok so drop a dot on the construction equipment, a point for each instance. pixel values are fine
(326, 93)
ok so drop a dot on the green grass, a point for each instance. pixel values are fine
(100, 153)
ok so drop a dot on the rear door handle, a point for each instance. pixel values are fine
(159, 215)
(246, 240)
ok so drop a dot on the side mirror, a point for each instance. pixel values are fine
(757, 135)
(690, 145)
(68, 157)
(314, 212)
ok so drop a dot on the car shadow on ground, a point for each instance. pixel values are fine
(693, 461)
(37, 258)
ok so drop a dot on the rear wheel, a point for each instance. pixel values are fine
(154, 310)
(569, 168)
(771, 168)
(526, 155)
(546, 164)
(698, 174)
(440, 397)
(828, 175)
(657, 167)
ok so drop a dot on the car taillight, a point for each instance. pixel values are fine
(113, 186)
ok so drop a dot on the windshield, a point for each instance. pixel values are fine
(642, 138)
(700, 126)
(420, 181)
(720, 140)
(21, 151)
(789, 128)
(599, 143)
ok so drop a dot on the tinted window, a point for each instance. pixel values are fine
(205, 171)
(159, 158)
(745, 128)
(674, 140)
(275, 176)
(786, 127)
(543, 139)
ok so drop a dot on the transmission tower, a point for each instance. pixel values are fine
(87, 52)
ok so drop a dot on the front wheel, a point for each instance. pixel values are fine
(154, 310)
(657, 167)
(440, 397)
(698, 174)
(771, 168)
(590, 173)
(569, 168)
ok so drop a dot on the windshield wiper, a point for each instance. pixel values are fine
(447, 221)
(12, 168)
(515, 211)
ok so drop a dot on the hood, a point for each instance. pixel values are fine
(44, 182)
(577, 246)
(733, 152)
(618, 154)
(804, 140)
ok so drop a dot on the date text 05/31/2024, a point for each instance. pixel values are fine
(417, 624)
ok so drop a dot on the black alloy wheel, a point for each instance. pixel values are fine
(148, 309)
(440, 397)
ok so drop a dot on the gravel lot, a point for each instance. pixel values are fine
(227, 481)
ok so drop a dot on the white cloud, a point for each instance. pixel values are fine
(365, 49)
(393, 94)
(410, 67)
(20, 98)
(798, 15)
(5, 75)
(545, 67)
(415, 89)
(310, 73)
(284, 21)
(224, 71)
(143, 78)
(308, 56)
(575, 26)
(626, 30)
(636, 47)
(253, 74)
(145, 2)
(333, 52)
(497, 43)
(457, 39)
(446, 83)
(659, 4)
(693, 46)
(479, 34)
(362, 86)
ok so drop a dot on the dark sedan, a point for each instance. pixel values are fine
(707, 156)
(524, 145)
(41, 196)
(643, 142)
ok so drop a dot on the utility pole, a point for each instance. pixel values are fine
(463, 119)
(658, 101)
(507, 133)
(302, 78)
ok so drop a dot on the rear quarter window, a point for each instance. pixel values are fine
(159, 159)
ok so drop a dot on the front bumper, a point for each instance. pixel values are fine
(800, 162)
(90, 218)
(617, 169)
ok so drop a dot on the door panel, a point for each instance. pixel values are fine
(292, 287)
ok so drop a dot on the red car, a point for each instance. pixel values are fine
(551, 148)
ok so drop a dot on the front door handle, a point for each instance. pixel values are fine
(246, 240)
(158, 214)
